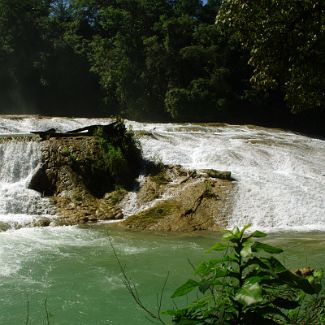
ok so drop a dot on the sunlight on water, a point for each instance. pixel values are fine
(280, 177)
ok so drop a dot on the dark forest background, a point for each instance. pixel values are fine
(232, 61)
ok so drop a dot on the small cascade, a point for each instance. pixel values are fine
(20, 206)
(18, 159)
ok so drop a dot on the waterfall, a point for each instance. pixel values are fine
(20, 206)
(280, 177)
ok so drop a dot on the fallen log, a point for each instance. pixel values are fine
(90, 131)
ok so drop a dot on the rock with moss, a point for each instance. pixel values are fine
(91, 178)
(86, 177)
(176, 199)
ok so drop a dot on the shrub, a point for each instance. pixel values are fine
(121, 153)
(244, 287)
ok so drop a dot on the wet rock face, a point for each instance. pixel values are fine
(71, 162)
(73, 177)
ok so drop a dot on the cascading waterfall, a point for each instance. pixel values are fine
(20, 206)
(280, 175)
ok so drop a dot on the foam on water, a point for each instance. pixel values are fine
(280, 177)
(280, 174)
(20, 246)
(25, 124)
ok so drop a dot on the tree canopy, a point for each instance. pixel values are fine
(286, 44)
(163, 60)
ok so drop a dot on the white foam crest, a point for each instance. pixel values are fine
(18, 247)
(21, 245)
(18, 159)
(26, 124)
(131, 205)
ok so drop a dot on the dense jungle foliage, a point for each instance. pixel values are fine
(165, 60)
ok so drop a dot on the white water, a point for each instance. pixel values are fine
(20, 206)
(280, 175)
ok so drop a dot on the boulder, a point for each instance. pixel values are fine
(189, 202)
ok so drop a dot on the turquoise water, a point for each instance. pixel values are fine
(74, 269)
(279, 186)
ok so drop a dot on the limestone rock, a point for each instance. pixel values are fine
(194, 203)
(41, 222)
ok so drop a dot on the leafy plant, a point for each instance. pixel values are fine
(243, 287)
(121, 153)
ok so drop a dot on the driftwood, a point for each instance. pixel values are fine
(90, 130)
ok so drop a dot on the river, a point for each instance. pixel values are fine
(280, 185)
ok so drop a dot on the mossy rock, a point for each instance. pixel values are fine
(150, 217)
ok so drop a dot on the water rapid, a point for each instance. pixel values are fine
(280, 175)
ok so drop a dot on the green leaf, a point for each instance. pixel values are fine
(257, 247)
(229, 235)
(318, 274)
(241, 233)
(212, 265)
(257, 279)
(185, 288)
(206, 268)
(296, 281)
(269, 310)
(246, 250)
(204, 286)
(249, 294)
(274, 265)
(261, 262)
(258, 234)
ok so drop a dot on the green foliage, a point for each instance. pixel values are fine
(243, 286)
(177, 101)
(162, 59)
(120, 152)
(286, 43)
